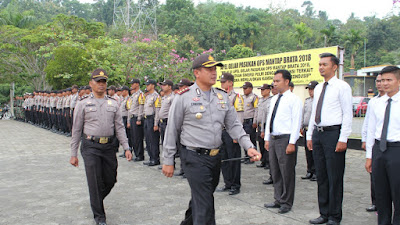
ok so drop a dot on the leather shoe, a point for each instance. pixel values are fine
(153, 163)
(313, 178)
(307, 176)
(260, 165)
(248, 162)
(319, 220)
(223, 189)
(234, 191)
(269, 181)
(101, 223)
(283, 210)
(332, 222)
(266, 167)
(180, 173)
(138, 159)
(372, 208)
(122, 155)
(146, 163)
(272, 205)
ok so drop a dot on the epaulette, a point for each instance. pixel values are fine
(221, 89)
(83, 97)
(183, 91)
(109, 97)
(308, 98)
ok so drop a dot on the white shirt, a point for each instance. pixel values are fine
(364, 129)
(375, 121)
(336, 107)
(287, 118)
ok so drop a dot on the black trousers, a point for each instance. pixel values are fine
(329, 167)
(152, 139)
(385, 168)
(309, 156)
(283, 171)
(128, 132)
(101, 172)
(248, 127)
(163, 126)
(373, 199)
(137, 134)
(263, 151)
(202, 172)
(231, 170)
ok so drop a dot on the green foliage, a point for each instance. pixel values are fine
(239, 51)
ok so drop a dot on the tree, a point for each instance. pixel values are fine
(353, 41)
(302, 31)
(239, 51)
(328, 33)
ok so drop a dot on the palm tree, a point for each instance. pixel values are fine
(353, 41)
(328, 34)
(11, 16)
(302, 31)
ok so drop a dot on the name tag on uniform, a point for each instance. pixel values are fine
(197, 103)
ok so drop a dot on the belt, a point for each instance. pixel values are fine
(133, 116)
(389, 144)
(246, 120)
(203, 151)
(276, 137)
(149, 116)
(100, 140)
(328, 128)
(164, 120)
(305, 128)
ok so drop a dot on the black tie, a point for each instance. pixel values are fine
(383, 144)
(319, 105)
(274, 112)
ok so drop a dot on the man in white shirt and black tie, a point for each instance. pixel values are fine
(328, 130)
(281, 134)
(383, 147)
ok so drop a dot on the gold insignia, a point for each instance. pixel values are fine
(211, 58)
(223, 106)
(101, 73)
(199, 115)
(220, 96)
(109, 102)
(214, 152)
(201, 107)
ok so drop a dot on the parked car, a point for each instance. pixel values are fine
(360, 105)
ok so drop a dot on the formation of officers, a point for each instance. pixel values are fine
(207, 127)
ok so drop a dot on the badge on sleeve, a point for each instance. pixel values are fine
(199, 115)
(219, 96)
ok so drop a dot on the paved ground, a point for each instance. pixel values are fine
(38, 186)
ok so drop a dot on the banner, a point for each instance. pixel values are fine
(303, 65)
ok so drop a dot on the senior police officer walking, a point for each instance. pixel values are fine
(199, 114)
(98, 121)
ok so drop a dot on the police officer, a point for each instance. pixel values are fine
(98, 121)
(166, 101)
(304, 127)
(74, 100)
(250, 114)
(124, 113)
(263, 109)
(231, 170)
(151, 104)
(199, 114)
(135, 114)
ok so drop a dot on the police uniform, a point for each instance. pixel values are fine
(152, 103)
(135, 113)
(124, 112)
(98, 122)
(162, 114)
(199, 118)
(250, 115)
(262, 113)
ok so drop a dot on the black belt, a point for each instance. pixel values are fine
(328, 128)
(164, 120)
(276, 137)
(100, 140)
(247, 120)
(389, 144)
(149, 116)
(203, 151)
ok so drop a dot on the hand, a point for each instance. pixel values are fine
(254, 125)
(262, 135)
(368, 165)
(341, 147)
(290, 149)
(309, 145)
(155, 128)
(235, 141)
(254, 155)
(128, 125)
(128, 155)
(168, 170)
(74, 161)
(363, 145)
(266, 145)
(138, 122)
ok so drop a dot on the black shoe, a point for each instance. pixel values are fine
(122, 155)
(332, 222)
(307, 176)
(160, 167)
(234, 191)
(372, 208)
(266, 167)
(248, 162)
(313, 178)
(272, 205)
(101, 223)
(269, 181)
(181, 173)
(146, 163)
(184, 176)
(153, 163)
(283, 209)
(261, 165)
(223, 189)
(319, 220)
(138, 159)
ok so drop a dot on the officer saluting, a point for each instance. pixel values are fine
(198, 114)
(96, 117)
